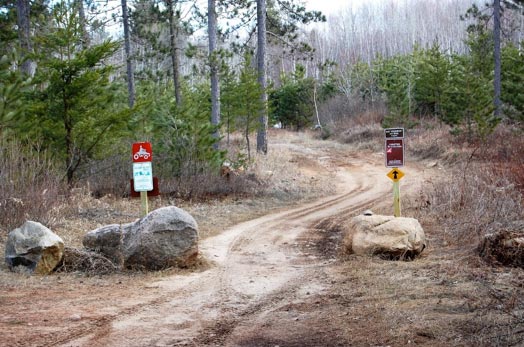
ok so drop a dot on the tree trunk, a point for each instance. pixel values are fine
(319, 126)
(24, 34)
(83, 22)
(261, 66)
(248, 144)
(228, 128)
(173, 31)
(129, 62)
(70, 155)
(496, 52)
(213, 63)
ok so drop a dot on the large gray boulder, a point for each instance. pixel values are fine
(164, 238)
(393, 237)
(34, 247)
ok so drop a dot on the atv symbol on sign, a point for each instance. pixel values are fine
(142, 153)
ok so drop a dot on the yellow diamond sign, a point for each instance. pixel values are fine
(395, 174)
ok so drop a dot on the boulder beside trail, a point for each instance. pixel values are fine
(34, 247)
(164, 238)
(389, 236)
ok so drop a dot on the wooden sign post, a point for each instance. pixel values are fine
(395, 175)
(143, 172)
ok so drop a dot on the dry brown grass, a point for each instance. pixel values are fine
(364, 137)
(91, 263)
(472, 204)
(30, 186)
(432, 143)
(480, 191)
(441, 299)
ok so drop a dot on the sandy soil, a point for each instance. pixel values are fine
(280, 280)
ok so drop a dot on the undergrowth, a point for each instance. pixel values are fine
(482, 195)
(31, 186)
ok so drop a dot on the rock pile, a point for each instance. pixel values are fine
(164, 238)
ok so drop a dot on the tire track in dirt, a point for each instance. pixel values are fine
(218, 333)
(258, 265)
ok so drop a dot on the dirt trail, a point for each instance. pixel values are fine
(279, 280)
(258, 267)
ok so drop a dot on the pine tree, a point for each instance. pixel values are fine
(431, 83)
(12, 86)
(470, 104)
(396, 79)
(292, 103)
(512, 82)
(213, 66)
(229, 100)
(74, 103)
(130, 72)
(184, 135)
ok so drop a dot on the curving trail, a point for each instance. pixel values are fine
(258, 267)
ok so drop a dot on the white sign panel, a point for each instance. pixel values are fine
(143, 176)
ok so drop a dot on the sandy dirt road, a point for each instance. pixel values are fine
(280, 280)
(258, 268)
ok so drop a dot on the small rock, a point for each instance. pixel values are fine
(75, 317)
(368, 213)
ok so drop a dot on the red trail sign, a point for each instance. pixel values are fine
(142, 152)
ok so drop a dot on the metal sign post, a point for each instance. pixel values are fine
(143, 172)
(394, 146)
